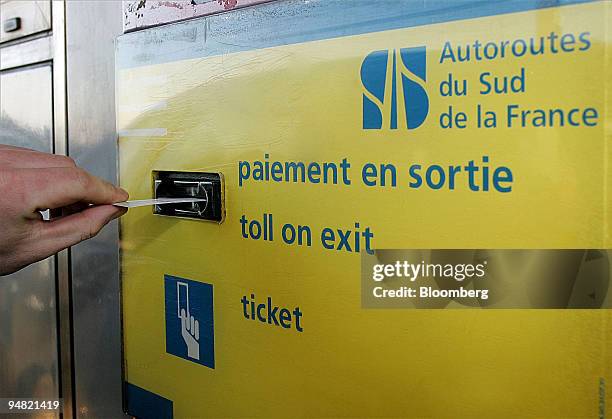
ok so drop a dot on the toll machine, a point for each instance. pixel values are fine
(319, 133)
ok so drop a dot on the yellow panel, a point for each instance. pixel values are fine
(303, 102)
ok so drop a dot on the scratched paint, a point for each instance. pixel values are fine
(138, 14)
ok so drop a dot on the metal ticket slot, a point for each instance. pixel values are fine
(207, 186)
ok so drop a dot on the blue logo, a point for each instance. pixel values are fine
(190, 332)
(404, 71)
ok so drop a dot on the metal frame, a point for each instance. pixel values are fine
(32, 52)
(87, 287)
(58, 19)
(91, 30)
(49, 47)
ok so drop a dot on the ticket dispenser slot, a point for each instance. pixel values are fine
(206, 186)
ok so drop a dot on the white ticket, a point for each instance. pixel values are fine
(157, 201)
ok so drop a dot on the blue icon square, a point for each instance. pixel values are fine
(189, 320)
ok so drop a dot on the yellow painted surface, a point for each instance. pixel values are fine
(303, 102)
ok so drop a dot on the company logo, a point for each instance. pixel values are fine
(394, 89)
(189, 320)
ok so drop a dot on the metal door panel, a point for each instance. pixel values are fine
(28, 312)
(24, 18)
(26, 108)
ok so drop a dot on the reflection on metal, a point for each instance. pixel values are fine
(31, 52)
(94, 263)
(26, 108)
(62, 258)
(31, 332)
(28, 355)
(23, 18)
(139, 14)
(28, 322)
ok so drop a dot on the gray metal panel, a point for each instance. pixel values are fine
(33, 51)
(28, 342)
(28, 309)
(95, 267)
(34, 17)
(26, 117)
(62, 258)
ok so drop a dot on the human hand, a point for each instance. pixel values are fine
(30, 182)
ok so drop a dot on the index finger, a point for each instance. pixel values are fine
(22, 158)
(61, 186)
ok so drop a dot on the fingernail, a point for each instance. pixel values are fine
(123, 193)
